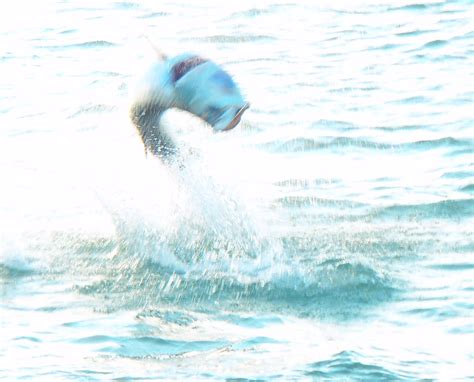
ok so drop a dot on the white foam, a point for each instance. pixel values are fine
(14, 256)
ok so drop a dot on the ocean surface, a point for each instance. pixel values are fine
(328, 237)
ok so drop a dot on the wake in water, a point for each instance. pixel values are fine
(196, 234)
(204, 228)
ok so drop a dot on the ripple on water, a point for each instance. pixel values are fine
(444, 209)
(354, 366)
(148, 347)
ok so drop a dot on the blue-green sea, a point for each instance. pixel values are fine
(329, 237)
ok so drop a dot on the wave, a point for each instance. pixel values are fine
(15, 260)
(418, 6)
(302, 144)
(353, 366)
(415, 32)
(468, 188)
(445, 209)
(149, 346)
(345, 290)
(435, 44)
(458, 174)
(151, 268)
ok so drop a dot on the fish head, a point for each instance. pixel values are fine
(204, 89)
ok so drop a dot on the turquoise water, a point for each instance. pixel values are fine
(328, 237)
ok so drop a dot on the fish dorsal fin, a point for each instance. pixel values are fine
(158, 52)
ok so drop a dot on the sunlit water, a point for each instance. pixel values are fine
(328, 237)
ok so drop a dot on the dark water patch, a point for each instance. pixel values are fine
(256, 322)
(452, 57)
(442, 58)
(79, 374)
(420, 56)
(417, 32)
(411, 100)
(385, 47)
(435, 44)
(464, 248)
(168, 316)
(436, 313)
(252, 343)
(400, 128)
(354, 290)
(453, 266)
(410, 7)
(419, 7)
(458, 174)
(78, 324)
(93, 339)
(441, 142)
(10, 272)
(462, 330)
(349, 365)
(462, 152)
(450, 12)
(68, 31)
(446, 209)
(469, 188)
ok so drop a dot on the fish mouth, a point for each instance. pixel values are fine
(235, 121)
